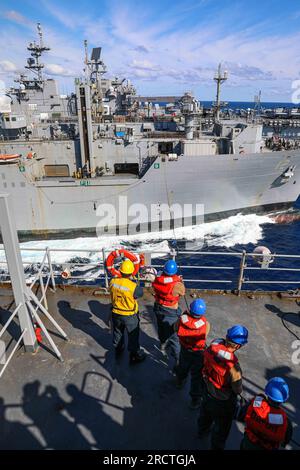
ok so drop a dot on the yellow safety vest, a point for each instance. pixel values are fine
(122, 296)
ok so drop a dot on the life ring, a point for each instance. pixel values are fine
(137, 259)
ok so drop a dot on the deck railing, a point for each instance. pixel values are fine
(224, 270)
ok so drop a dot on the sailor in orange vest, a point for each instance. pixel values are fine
(192, 331)
(125, 312)
(267, 424)
(168, 287)
(223, 379)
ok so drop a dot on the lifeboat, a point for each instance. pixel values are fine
(9, 158)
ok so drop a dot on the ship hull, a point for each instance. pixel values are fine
(67, 233)
(222, 184)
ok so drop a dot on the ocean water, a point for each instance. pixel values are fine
(251, 104)
(243, 104)
(233, 235)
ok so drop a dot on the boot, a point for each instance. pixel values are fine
(137, 357)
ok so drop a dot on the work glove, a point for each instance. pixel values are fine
(240, 409)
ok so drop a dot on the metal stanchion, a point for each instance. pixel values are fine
(15, 266)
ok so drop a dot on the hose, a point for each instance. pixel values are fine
(285, 325)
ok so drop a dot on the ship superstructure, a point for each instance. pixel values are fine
(62, 157)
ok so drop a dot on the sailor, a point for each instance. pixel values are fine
(125, 312)
(192, 331)
(223, 379)
(267, 424)
(168, 287)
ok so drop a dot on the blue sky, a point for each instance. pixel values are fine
(163, 46)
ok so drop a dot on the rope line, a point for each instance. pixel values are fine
(174, 233)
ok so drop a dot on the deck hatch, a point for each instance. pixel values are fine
(56, 170)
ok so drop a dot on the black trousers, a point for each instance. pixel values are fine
(166, 319)
(130, 323)
(216, 415)
(191, 362)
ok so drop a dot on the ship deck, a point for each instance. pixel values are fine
(90, 401)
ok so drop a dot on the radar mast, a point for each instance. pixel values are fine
(219, 78)
(37, 49)
(94, 70)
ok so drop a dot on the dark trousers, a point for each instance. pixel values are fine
(130, 323)
(191, 361)
(216, 415)
(166, 319)
(246, 444)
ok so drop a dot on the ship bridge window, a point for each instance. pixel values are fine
(132, 168)
(14, 118)
(52, 171)
(7, 119)
(165, 147)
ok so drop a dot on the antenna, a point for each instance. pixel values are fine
(85, 44)
(96, 54)
(257, 101)
(219, 78)
(37, 49)
(40, 33)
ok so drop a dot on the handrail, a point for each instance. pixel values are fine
(180, 252)
(38, 274)
(271, 282)
(238, 282)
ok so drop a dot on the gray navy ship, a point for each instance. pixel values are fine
(65, 158)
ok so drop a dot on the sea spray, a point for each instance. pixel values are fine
(236, 230)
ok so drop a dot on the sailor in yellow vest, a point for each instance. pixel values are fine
(125, 312)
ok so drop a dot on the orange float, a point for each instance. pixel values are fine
(9, 157)
(137, 259)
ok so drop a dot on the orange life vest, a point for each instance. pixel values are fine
(218, 361)
(266, 425)
(163, 288)
(192, 332)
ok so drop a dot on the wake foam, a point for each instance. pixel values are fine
(236, 230)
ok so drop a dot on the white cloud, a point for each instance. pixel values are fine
(144, 48)
(17, 17)
(58, 70)
(144, 65)
(141, 48)
(7, 66)
(248, 72)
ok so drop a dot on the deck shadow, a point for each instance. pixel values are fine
(291, 317)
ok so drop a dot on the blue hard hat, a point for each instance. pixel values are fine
(238, 334)
(170, 267)
(277, 390)
(198, 307)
